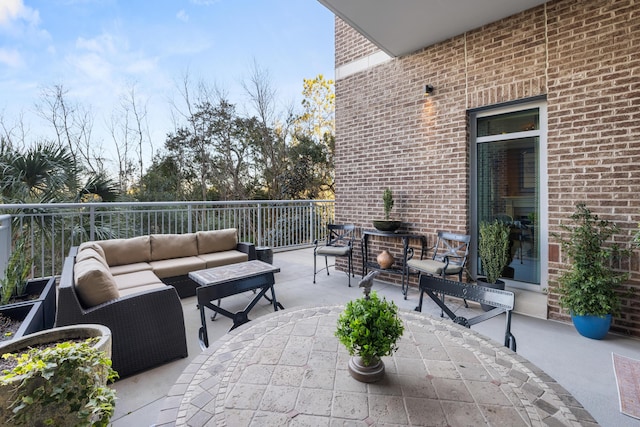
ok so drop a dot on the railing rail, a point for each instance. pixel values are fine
(52, 229)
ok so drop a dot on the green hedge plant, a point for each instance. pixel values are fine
(590, 286)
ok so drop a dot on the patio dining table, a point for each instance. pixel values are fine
(288, 368)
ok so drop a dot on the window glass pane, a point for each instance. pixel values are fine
(519, 121)
(508, 191)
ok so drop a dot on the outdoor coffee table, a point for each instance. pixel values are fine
(220, 282)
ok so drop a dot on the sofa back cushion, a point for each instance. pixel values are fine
(167, 246)
(89, 252)
(217, 240)
(126, 251)
(94, 282)
(92, 245)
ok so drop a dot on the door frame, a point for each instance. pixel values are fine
(543, 179)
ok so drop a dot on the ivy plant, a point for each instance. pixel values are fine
(62, 384)
(370, 327)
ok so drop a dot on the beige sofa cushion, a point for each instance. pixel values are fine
(92, 245)
(136, 279)
(217, 259)
(166, 246)
(89, 252)
(177, 266)
(126, 251)
(129, 268)
(143, 288)
(94, 283)
(217, 240)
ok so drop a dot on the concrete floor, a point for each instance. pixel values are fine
(582, 366)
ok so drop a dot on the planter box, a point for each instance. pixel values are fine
(39, 412)
(45, 291)
(30, 313)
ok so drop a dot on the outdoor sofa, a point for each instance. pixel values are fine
(134, 286)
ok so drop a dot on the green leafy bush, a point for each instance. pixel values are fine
(590, 286)
(370, 328)
(60, 385)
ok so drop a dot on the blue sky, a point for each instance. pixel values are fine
(98, 48)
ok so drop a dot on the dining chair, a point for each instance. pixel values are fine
(449, 256)
(338, 243)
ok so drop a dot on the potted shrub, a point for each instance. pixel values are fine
(369, 328)
(14, 280)
(494, 252)
(589, 289)
(58, 377)
(32, 302)
(388, 224)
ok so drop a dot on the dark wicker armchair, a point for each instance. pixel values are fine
(147, 328)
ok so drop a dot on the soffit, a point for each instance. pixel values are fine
(400, 27)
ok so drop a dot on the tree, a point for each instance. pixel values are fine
(269, 145)
(311, 161)
(73, 125)
(47, 173)
(129, 132)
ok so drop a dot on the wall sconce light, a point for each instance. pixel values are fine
(428, 90)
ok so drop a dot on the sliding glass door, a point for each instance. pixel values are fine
(506, 155)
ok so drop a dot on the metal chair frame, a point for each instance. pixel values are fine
(339, 236)
(501, 301)
(450, 249)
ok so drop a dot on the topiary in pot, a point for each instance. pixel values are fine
(369, 328)
(493, 249)
(387, 225)
(590, 287)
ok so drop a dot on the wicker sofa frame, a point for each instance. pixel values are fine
(147, 328)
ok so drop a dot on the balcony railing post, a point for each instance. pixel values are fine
(5, 242)
(92, 223)
(311, 222)
(259, 236)
(189, 219)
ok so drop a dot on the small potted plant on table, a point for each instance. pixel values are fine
(369, 327)
(387, 224)
(589, 289)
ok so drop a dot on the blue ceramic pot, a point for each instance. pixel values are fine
(594, 327)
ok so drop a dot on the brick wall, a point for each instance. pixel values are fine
(581, 55)
(356, 46)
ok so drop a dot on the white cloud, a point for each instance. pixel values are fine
(13, 10)
(12, 58)
(183, 16)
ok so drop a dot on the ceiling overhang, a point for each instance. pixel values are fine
(401, 27)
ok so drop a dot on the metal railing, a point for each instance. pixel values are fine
(52, 229)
